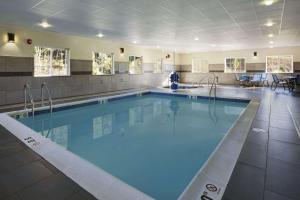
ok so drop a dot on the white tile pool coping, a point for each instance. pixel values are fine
(210, 181)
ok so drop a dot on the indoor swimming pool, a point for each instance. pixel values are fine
(154, 142)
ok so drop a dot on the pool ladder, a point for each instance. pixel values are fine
(28, 95)
(213, 86)
(44, 88)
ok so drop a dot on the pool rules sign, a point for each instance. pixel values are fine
(211, 191)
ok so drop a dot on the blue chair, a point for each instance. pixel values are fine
(256, 80)
(244, 80)
(277, 82)
(264, 79)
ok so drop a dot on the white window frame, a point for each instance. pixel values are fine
(159, 62)
(199, 69)
(235, 72)
(51, 63)
(93, 64)
(135, 65)
(278, 58)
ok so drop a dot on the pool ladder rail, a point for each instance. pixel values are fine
(213, 86)
(28, 98)
(28, 94)
(44, 87)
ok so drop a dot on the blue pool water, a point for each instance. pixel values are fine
(154, 143)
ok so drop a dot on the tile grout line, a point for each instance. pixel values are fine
(265, 177)
(288, 142)
(251, 165)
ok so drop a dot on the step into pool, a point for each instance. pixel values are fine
(155, 143)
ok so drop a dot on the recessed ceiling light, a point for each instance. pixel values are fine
(271, 42)
(196, 39)
(269, 24)
(44, 24)
(100, 35)
(134, 42)
(270, 35)
(226, 45)
(213, 45)
(268, 2)
(157, 46)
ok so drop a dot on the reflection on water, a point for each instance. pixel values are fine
(102, 126)
(57, 134)
(135, 116)
(146, 141)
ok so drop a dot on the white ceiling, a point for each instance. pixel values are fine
(171, 24)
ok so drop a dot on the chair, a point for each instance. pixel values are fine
(244, 79)
(277, 81)
(264, 79)
(256, 80)
(298, 79)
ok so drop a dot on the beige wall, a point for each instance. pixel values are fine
(219, 56)
(81, 47)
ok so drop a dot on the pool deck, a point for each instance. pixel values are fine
(268, 167)
(26, 175)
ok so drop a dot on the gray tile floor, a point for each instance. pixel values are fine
(269, 164)
(268, 167)
(24, 175)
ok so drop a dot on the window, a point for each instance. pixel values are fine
(103, 64)
(51, 62)
(168, 64)
(279, 64)
(158, 66)
(235, 65)
(135, 65)
(199, 66)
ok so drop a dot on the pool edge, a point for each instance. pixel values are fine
(212, 178)
(74, 173)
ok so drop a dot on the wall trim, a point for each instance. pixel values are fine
(9, 74)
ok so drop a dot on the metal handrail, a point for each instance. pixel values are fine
(45, 87)
(28, 93)
(213, 86)
(212, 113)
(202, 81)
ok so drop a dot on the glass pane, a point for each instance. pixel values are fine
(135, 65)
(199, 66)
(235, 65)
(158, 66)
(102, 64)
(60, 62)
(42, 61)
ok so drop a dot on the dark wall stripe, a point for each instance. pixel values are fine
(256, 70)
(222, 71)
(5, 74)
(148, 71)
(182, 71)
(117, 72)
(81, 73)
